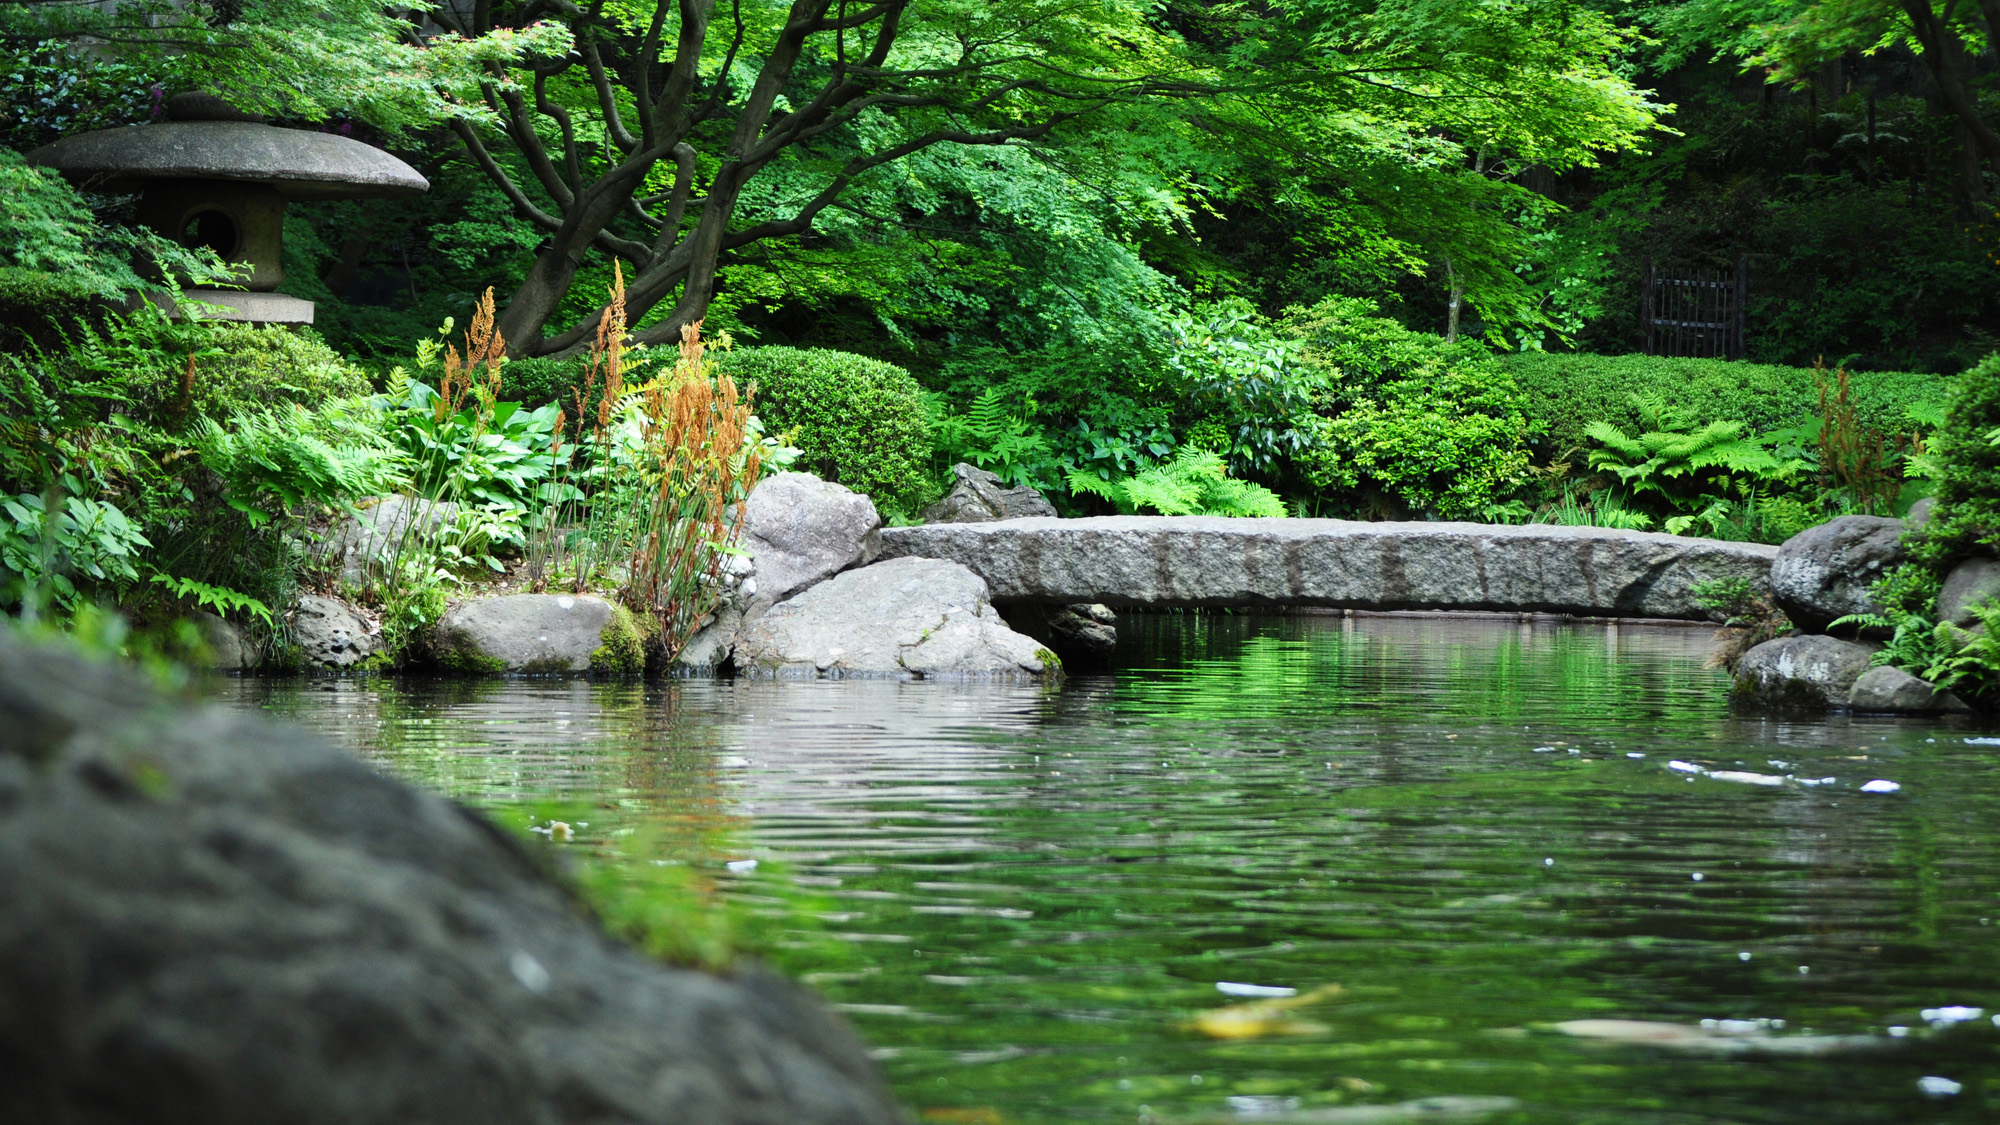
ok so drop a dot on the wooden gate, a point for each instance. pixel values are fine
(1694, 312)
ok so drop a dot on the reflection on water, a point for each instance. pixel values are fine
(1467, 825)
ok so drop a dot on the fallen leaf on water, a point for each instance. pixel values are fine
(1260, 1018)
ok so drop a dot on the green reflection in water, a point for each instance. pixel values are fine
(1024, 897)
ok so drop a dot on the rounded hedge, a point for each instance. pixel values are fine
(249, 368)
(1566, 392)
(1967, 519)
(40, 309)
(855, 420)
(542, 380)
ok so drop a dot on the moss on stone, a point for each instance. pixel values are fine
(622, 651)
(469, 662)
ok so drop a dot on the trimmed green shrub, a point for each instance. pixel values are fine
(1415, 425)
(1968, 497)
(543, 380)
(247, 368)
(1565, 393)
(41, 308)
(857, 420)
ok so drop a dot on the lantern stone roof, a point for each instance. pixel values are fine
(303, 165)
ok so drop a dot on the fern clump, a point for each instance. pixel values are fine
(1195, 482)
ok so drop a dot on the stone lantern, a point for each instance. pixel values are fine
(213, 176)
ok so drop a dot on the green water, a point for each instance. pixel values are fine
(1023, 898)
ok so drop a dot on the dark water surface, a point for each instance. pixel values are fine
(1025, 898)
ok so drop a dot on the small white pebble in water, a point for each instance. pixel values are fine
(1938, 1087)
(1545, 749)
(1779, 1024)
(1738, 1027)
(1880, 786)
(1956, 1013)
(1195, 1079)
(1803, 970)
(741, 866)
(1898, 1032)
(1776, 764)
(1743, 956)
(1930, 740)
(1696, 876)
(1575, 750)
(1684, 767)
(1261, 991)
(529, 971)
(1634, 754)
(1550, 862)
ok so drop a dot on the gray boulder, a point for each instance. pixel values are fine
(374, 533)
(539, 633)
(1969, 583)
(1824, 572)
(330, 633)
(1801, 673)
(213, 916)
(1081, 633)
(1920, 513)
(1884, 689)
(911, 618)
(229, 650)
(800, 530)
(978, 496)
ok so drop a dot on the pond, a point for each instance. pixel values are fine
(1448, 835)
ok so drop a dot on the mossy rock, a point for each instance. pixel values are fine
(623, 652)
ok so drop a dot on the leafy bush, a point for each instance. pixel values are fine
(48, 544)
(38, 309)
(856, 420)
(1243, 380)
(1011, 445)
(1968, 461)
(246, 368)
(543, 380)
(1564, 394)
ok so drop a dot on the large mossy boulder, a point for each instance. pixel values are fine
(1801, 673)
(210, 916)
(540, 633)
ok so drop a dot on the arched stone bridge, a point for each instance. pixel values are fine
(1213, 561)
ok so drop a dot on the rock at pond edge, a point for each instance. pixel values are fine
(908, 617)
(1823, 573)
(1886, 690)
(221, 916)
(1815, 673)
(540, 633)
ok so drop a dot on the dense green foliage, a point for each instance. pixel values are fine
(1967, 519)
(855, 420)
(1565, 393)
